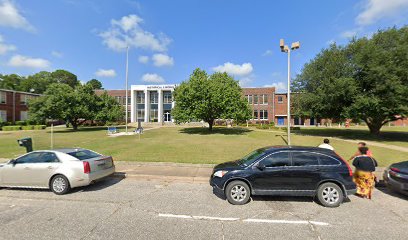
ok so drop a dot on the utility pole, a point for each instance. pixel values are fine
(126, 104)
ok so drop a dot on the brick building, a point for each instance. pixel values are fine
(14, 105)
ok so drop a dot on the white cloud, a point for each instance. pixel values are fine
(57, 54)
(160, 59)
(128, 32)
(11, 17)
(143, 59)
(268, 53)
(349, 34)
(105, 73)
(246, 81)
(4, 48)
(28, 62)
(235, 69)
(152, 78)
(279, 86)
(375, 10)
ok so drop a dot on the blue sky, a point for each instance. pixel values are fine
(169, 39)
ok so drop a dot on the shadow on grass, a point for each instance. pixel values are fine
(216, 130)
(86, 129)
(351, 134)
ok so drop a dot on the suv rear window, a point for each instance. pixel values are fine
(84, 154)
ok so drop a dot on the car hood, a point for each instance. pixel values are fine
(232, 165)
(402, 166)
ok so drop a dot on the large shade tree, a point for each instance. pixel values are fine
(366, 80)
(204, 97)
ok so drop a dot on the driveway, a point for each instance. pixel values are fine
(136, 209)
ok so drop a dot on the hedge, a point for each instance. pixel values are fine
(29, 127)
(39, 127)
(21, 123)
(11, 128)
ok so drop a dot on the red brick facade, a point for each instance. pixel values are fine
(261, 102)
(119, 95)
(14, 105)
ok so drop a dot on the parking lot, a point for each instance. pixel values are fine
(136, 209)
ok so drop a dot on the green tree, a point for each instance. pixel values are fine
(366, 80)
(207, 98)
(11, 82)
(109, 110)
(63, 76)
(61, 101)
(37, 83)
(96, 84)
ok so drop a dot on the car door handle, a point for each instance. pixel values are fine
(27, 168)
(50, 167)
(317, 169)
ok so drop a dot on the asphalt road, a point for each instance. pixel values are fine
(135, 209)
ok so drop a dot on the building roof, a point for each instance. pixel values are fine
(27, 93)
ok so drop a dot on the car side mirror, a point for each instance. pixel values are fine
(12, 161)
(261, 166)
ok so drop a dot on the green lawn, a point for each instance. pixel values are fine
(177, 144)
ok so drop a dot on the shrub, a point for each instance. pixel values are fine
(39, 127)
(21, 123)
(11, 128)
(28, 127)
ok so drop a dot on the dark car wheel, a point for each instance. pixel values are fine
(237, 192)
(59, 185)
(330, 195)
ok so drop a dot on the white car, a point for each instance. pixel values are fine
(58, 170)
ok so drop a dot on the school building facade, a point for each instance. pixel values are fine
(14, 105)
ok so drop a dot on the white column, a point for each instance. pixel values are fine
(172, 103)
(160, 107)
(146, 117)
(132, 106)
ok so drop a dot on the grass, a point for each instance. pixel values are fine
(178, 144)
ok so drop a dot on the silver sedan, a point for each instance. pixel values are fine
(58, 170)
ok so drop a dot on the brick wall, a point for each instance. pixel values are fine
(269, 106)
(15, 104)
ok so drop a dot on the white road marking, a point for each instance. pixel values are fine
(248, 220)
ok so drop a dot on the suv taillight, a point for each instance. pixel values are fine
(87, 167)
(347, 164)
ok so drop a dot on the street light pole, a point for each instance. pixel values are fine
(286, 49)
(126, 105)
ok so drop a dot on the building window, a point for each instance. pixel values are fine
(167, 97)
(129, 100)
(24, 99)
(263, 114)
(263, 99)
(3, 97)
(140, 97)
(3, 115)
(255, 99)
(23, 115)
(154, 97)
(256, 114)
(140, 114)
(154, 115)
(250, 99)
(280, 99)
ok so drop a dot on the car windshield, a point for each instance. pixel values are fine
(84, 154)
(250, 158)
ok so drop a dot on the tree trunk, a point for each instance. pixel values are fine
(74, 124)
(374, 127)
(210, 125)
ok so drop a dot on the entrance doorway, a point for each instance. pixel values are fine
(281, 121)
(167, 116)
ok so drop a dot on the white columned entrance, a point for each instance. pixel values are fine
(147, 101)
(160, 105)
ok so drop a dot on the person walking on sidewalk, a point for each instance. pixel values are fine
(326, 144)
(359, 145)
(364, 176)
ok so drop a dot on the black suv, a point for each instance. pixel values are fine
(286, 171)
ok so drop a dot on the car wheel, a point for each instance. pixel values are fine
(330, 195)
(237, 192)
(59, 185)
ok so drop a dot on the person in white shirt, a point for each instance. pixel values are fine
(326, 144)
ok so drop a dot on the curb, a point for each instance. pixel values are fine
(162, 178)
(164, 164)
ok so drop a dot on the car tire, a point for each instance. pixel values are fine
(59, 185)
(330, 194)
(237, 192)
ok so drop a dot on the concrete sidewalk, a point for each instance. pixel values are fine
(179, 172)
